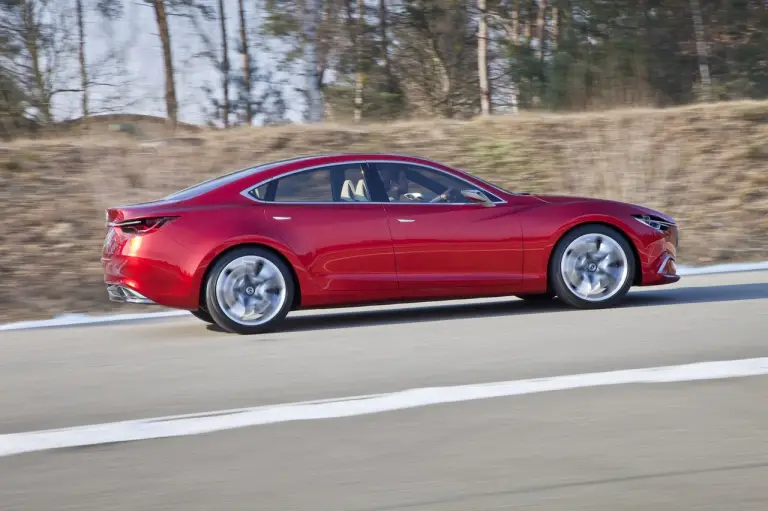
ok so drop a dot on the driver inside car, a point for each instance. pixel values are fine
(395, 184)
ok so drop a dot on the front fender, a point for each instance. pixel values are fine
(544, 227)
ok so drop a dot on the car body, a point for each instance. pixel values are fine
(350, 229)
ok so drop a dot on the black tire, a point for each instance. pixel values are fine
(215, 309)
(561, 288)
(203, 315)
(538, 298)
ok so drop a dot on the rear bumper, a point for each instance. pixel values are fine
(124, 294)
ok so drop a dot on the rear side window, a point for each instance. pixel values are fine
(310, 186)
(335, 183)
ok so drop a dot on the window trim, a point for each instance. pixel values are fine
(369, 166)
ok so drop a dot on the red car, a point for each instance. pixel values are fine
(244, 249)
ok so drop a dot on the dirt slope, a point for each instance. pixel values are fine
(705, 165)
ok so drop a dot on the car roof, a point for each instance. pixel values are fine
(270, 170)
(274, 169)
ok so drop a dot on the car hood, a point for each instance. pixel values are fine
(636, 209)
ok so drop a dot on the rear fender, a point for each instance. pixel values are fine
(306, 285)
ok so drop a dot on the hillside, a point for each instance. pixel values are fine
(705, 165)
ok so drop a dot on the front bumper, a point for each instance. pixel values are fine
(123, 294)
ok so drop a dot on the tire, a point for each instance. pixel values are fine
(538, 298)
(203, 315)
(614, 274)
(244, 277)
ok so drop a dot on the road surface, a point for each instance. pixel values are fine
(681, 445)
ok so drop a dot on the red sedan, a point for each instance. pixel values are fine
(244, 249)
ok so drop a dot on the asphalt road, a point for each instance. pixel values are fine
(691, 445)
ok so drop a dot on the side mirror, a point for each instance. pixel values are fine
(478, 197)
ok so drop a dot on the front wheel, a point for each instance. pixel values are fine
(249, 291)
(592, 267)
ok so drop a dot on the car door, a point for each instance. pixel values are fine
(448, 242)
(326, 217)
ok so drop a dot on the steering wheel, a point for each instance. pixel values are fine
(447, 194)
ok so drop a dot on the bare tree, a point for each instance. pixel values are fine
(310, 20)
(32, 41)
(384, 42)
(224, 64)
(541, 29)
(247, 71)
(701, 51)
(171, 102)
(108, 9)
(81, 56)
(482, 58)
(356, 28)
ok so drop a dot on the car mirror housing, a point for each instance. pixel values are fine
(478, 197)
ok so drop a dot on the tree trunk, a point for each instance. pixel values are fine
(516, 36)
(516, 21)
(246, 64)
(310, 21)
(701, 51)
(482, 59)
(557, 31)
(224, 65)
(527, 24)
(31, 41)
(359, 56)
(384, 40)
(541, 29)
(171, 103)
(81, 56)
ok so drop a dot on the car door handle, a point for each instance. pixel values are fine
(281, 217)
(405, 220)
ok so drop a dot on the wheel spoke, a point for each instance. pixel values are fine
(585, 287)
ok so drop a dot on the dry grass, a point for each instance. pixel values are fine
(705, 165)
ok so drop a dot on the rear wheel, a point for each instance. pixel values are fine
(592, 267)
(249, 291)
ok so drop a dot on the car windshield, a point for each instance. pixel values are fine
(212, 184)
(490, 185)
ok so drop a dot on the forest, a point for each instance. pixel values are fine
(382, 60)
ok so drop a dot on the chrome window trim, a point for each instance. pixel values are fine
(247, 191)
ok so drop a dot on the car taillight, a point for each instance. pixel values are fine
(142, 225)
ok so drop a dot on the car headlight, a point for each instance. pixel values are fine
(654, 222)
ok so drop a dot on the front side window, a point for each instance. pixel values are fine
(413, 183)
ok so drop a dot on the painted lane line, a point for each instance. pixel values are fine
(685, 271)
(86, 319)
(196, 424)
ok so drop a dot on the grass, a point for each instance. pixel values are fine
(707, 165)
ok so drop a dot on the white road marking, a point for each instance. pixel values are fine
(87, 319)
(195, 424)
(684, 271)
(66, 320)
